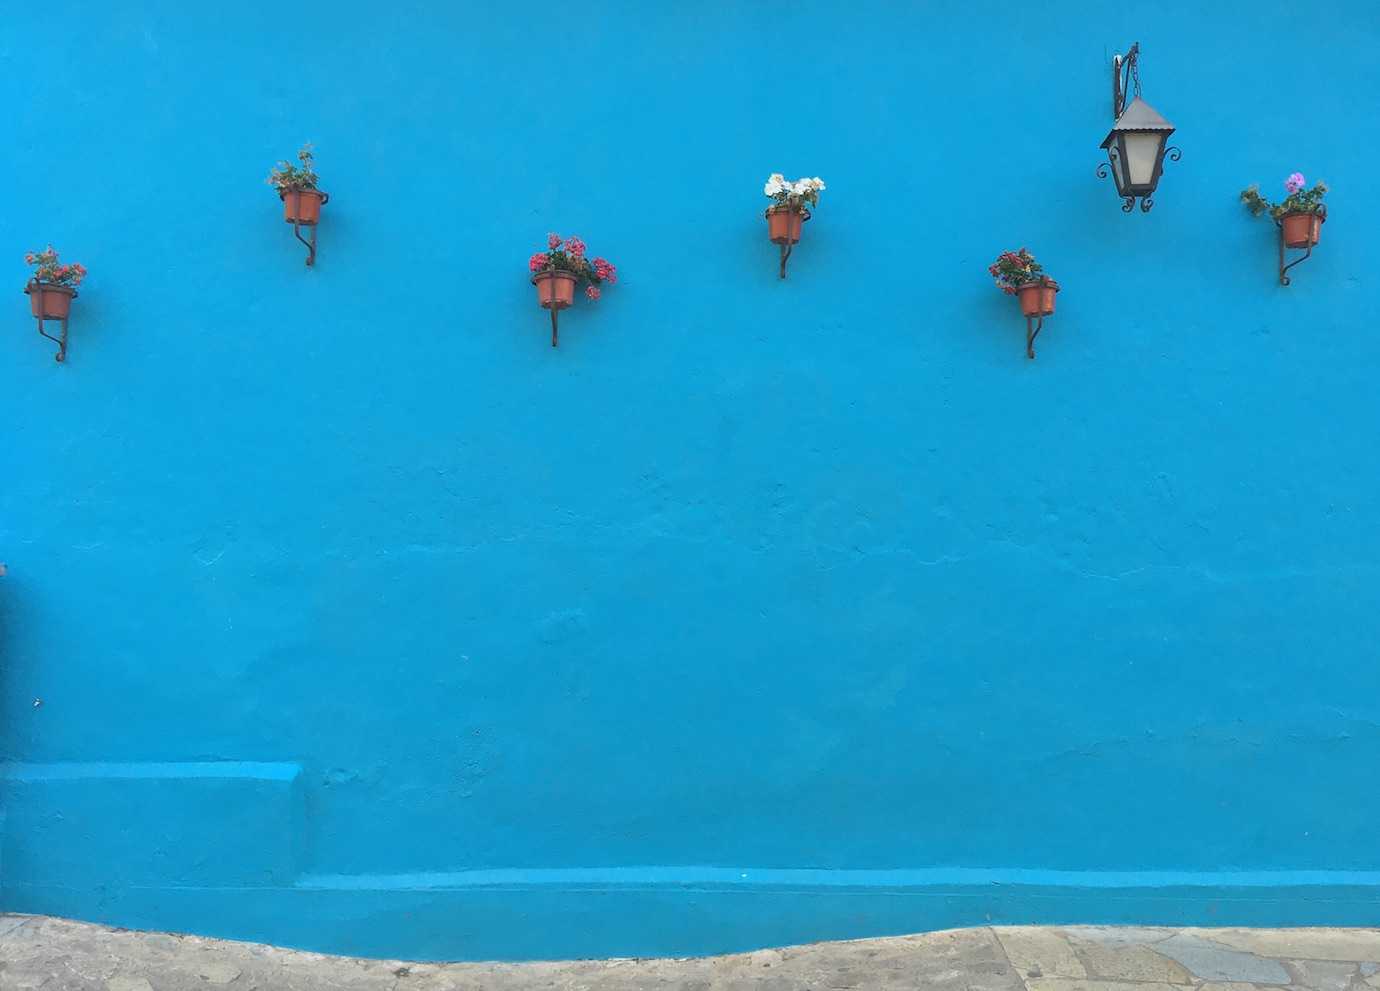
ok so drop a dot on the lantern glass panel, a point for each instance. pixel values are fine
(1142, 154)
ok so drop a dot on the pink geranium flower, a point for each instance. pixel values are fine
(604, 271)
(567, 256)
(1294, 183)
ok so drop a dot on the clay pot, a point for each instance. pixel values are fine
(554, 289)
(1047, 290)
(302, 206)
(1301, 230)
(49, 301)
(783, 225)
(1037, 298)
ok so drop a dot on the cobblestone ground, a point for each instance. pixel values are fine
(57, 955)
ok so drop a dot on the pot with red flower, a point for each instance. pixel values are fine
(789, 210)
(51, 289)
(1299, 216)
(558, 271)
(302, 200)
(1018, 274)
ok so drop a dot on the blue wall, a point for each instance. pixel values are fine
(760, 611)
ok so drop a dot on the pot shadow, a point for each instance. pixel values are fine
(83, 317)
(1003, 313)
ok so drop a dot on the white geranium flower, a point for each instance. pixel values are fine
(776, 184)
(817, 183)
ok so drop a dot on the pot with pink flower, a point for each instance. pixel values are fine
(790, 210)
(1018, 274)
(302, 201)
(558, 271)
(1299, 216)
(51, 289)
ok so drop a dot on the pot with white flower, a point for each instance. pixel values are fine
(302, 201)
(789, 210)
(1018, 274)
(1299, 217)
(560, 268)
(51, 289)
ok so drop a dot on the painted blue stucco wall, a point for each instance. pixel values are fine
(342, 611)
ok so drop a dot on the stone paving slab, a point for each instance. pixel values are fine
(37, 952)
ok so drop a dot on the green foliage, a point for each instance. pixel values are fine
(1303, 201)
(286, 176)
(50, 269)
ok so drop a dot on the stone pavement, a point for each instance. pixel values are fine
(56, 955)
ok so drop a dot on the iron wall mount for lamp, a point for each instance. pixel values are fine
(1125, 72)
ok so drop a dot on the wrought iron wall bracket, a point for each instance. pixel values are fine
(1032, 331)
(311, 245)
(1124, 74)
(554, 310)
(61, 342)
(297, 226)
(787, 246)
(1283, 268)
(785, 255)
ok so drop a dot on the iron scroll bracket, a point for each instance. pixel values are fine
(296, 231)
(311, 245)
(1308, 250)
(1032, 331)
(1125, 74)
(61, 341)
(786, 245)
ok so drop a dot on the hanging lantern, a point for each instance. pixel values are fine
(1136, 145)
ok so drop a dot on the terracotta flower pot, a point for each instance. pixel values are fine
(783, 225)
(49, 301)
(1047, 290)
(302, 206)
(554, 289)
(1037, 298)
(1302, 230)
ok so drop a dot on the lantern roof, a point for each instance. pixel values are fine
(1139, 116)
